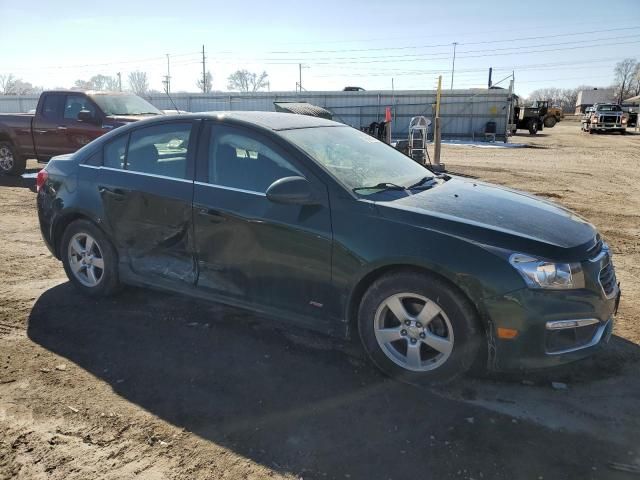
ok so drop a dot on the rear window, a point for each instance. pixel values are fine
(51, 106)
(114, 152)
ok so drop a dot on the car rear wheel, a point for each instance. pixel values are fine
(10, 162)
(417, 328)
(89, 259)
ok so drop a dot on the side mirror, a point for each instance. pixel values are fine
(86, 116)
(291, 191)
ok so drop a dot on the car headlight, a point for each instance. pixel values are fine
(539, 273)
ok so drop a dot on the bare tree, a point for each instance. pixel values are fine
(97, 82)
(6, 83)
(635, 82)
(624, 72)
(246, 81)
(206, 85)
(10, 85)
(138, 82)
(565, 98)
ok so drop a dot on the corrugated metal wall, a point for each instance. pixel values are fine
(464, 113)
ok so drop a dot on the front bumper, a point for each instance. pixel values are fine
(554, 327)
(608, 126)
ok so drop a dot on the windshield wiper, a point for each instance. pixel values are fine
(381, 186)
(420, 182)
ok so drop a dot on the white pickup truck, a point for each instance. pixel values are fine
(604, 117)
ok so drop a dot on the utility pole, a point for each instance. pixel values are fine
(204, 75)
(437, 133)
(167, 78)
(119, 81)
(453, 66)
(490, 72)
(300, 81)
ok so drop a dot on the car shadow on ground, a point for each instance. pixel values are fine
(295, 402)
(28, 181)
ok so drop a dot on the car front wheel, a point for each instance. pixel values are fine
(89, 259)
(417, 328)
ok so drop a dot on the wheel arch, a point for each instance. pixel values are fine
(487, 350)
(62, 222)
(358, 291)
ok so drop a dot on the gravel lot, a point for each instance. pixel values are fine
(154, 386)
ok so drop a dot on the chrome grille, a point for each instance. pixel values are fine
(609, 119)
(607, 279)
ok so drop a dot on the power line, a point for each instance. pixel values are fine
(549, 66)
(465, 56)
(435, 54)
(408, 47)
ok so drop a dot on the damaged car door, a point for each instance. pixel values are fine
(251, 250)
(146, 186)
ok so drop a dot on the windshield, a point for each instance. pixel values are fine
(356, 159)
(609, 108)
(125, 105)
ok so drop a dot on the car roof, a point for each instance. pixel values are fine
(269, 120)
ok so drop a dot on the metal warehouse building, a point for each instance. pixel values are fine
(464, 113)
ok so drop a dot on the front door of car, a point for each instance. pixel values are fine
(269, 256)
(146, 187)
(46, 135)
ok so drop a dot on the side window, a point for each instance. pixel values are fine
(114, 152)
(160, 150)
(94, 160)
(74, 103)
(239, 159)
(51, 106)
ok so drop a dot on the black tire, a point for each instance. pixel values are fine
(550, 122)
(11, 163)
(108, 283)
(467, 332)
(533, 126)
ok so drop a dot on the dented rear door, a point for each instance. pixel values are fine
(146, 186)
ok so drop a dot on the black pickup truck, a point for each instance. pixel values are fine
(63, 122)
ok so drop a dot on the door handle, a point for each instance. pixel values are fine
(61, 127)
(116, 193)
(214, 215)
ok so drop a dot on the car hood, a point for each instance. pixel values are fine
(128, 118)
(495, 216)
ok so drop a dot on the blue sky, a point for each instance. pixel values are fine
(364, 43)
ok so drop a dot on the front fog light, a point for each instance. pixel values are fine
(543, 274)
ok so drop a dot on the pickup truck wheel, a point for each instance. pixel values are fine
(10, 162)
(89, 259)
(533, 126)
(418, 329)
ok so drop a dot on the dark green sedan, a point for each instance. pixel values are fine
(309, 221)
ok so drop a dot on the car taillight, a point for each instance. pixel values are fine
(41, 178)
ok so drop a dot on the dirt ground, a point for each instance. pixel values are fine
(155, 386)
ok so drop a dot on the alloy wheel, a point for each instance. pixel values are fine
(413, 332)
(6, 158)
(85, 259)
